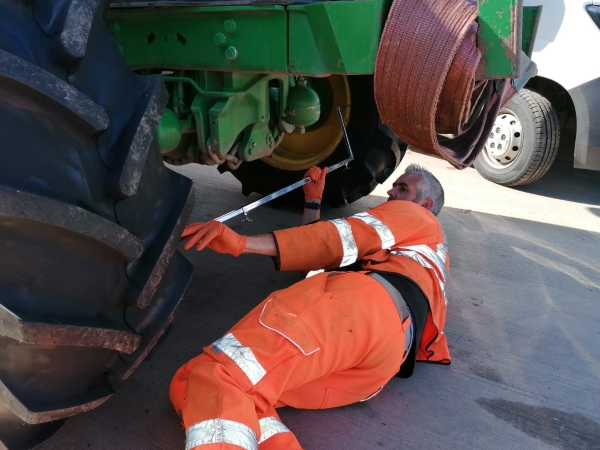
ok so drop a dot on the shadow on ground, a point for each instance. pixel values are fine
(566, 183)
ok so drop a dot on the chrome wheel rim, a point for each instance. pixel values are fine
(505, 142)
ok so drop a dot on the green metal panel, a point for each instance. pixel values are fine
(531, 19)
(338, 37)
(228, 38)
(499, 38)
(330, 37)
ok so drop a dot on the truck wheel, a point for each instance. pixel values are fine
(523, 143)
(89, 217)
(377, 152)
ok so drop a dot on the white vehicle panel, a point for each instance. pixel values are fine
(559, 49)
(565, 51)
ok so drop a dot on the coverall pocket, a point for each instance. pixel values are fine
(335, 397)
(278, 317)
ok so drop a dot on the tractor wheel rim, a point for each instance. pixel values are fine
(505, 142)
(301, 151)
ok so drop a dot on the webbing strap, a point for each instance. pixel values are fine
(425, 79)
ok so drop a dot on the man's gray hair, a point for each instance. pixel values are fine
(428, 187)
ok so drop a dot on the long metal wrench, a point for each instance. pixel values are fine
(249, 207)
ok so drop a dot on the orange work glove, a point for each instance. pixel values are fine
(314, 188)
(215, 236)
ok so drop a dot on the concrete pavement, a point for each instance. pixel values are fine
(523, 326)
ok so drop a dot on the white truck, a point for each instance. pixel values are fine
(557, 110)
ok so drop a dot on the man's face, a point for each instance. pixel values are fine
(405, 188)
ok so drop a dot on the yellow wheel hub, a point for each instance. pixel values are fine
(301, 151)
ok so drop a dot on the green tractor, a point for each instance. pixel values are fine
(95, 96)
(259, 98)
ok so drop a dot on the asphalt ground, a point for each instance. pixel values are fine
(523, 326)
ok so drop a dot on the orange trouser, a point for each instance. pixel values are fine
(327, 341)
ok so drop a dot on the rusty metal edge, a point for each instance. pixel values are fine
(40, 333)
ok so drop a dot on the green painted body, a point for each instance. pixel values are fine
(168, 133)
(312, 40)
(336, 37)
(230, 68)
(499, 38)
(196, 38)
(531, 18)
(304, 105)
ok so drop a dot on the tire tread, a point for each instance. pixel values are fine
(25, 205)
(77, 26)
(37, 331)
(69, 408)
(43, 84)
(141, 140)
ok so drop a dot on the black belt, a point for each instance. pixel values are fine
(401, 306)
(419, 309)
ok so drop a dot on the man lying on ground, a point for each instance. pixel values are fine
(332, 339)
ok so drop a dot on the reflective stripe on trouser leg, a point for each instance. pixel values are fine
(269, 427)
(241, 355)
(213, 402)
(220, 431)
(274, 434)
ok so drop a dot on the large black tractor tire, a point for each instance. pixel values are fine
(529, 129)
(89, 217)
(377, 152)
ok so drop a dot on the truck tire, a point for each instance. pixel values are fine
(523, 143)
(89, 217)
(376, 154)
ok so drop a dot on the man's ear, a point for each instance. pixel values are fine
(426, 203)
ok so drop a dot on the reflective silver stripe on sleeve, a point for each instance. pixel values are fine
(269, 427)
(240, 355)
(385, 234)
(348, 242)
(430, 259)
(217, 431)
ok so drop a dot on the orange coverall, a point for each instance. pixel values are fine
(330, 340)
